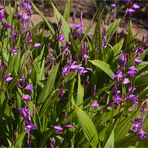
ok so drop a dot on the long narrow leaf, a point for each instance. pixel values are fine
(49, 85)
(80, 93)
(110, 141)
(67, 10)
(44, 18)
(103, 66)
(87, 126)
(65, 26)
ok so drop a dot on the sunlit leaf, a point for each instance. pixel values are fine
(103, 66)
(87, 126)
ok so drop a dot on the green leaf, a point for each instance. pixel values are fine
(130, 39)
(49, 85)
(144, 93)
(19, 140)
(80, 93)
(65, 26)
(117, 47)
(144, 54)
(44, 18)
(111, 29)
(50, 101)
(123, 126)
(142, 66)
(67, 10)
(142, 81)
(110, 141)
(87, 126)
(103, 66)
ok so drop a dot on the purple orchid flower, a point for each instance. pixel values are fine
(37, 45)
(26, 98)
(58, 128)
(132, 71)
(95, 105)
(29, 87)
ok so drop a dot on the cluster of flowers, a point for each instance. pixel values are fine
(71, 64)
(77, 28)
(122, 77)
(24, 14)
(25, 111)
(133, 8)
(59, 130)
(113, 16)
(104, 39)
(137, 128)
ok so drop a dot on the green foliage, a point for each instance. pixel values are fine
(73, 103)
(103, 66)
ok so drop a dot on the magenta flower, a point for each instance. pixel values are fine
(8, 78)
(29, 87)
(133, 98)
(1, 16)
(123, 59)
(7, 26)
(61, 38)
(141, 134)
(23, 113)
(137, 124)
(26, 98)
(95, 105)
(130, 11)
(131, 89)
(21, 82)
(37, 45)
(30, 127)
(58, 128)
(125, 81)
(118, 76)
(132, 71)
(138, 61)
(117, 100)
(14, 50)
(137, 127)
(135, 6)
(69, 126)
(13, 36)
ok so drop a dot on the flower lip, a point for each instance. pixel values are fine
(132, 71)
(126, 81)
(29, 87)
(37, 45)
(26, 98)
(58, 128)
(30, 127)
(69, 126)
(95, 105)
